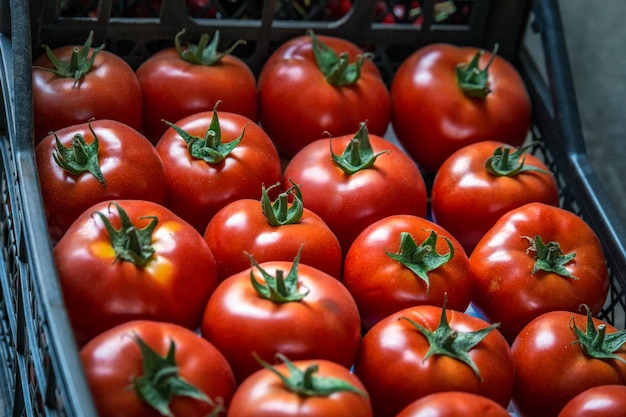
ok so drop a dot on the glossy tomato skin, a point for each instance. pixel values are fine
(464, 186)
(433, 118)
(109, 91)
(101, 292)
(263, 394)
(350, 203)
(390, 361)
(113, 359)
(324, 325)
(600, 401)
(241, 227)
(381, 285)
(297, 105)
(131, 167)
(506, 289)
(173, 88)
(454, 404)
(196, 190)
(551, 368)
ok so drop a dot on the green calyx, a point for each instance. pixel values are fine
(335, 67)
(594, 341)
(204, 53)
(306, 383)
(161, 381)
(79, 64)
(358, 155)
(278, 288)
(280, 212)
(449, 342)
(423, 258)
(80, 156)
(210, 147)
(549, 257)
(507, 161)
(473, 81)
(130, 243)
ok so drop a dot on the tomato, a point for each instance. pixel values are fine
(370, 180)
(306, 388)
(281, 307)
(271, 231)
(73, 84)
(444, 97)
(133, 259)
(315, 84)
(84, 164)
(147, 368)
(484, 180)
(427, 349)
(402, 261)
(600, 401)
(454, 404)
(559, 355)
(212, 159)
(537, 258)
(180, 81)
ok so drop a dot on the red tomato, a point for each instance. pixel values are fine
(144, 262)
(454, 404)
(305, 388)
(600, 401)
(271, 231)
(282, 307)
(88, 83)
(180, 81)
(537, 258)
(132, 364)
(426, 349)
(212, 159)
(434, 114)
(559, 355)
(402, 261)
(483, 181)
(79, 171)
(371, 180)
(301, 97)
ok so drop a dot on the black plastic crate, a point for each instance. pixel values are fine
(40, 372)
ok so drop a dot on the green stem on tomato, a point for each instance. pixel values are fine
(281, 212)
(507, 161)
(473, 81)
(204, 53)
(358, 155)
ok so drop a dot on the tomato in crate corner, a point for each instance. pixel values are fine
(444, 97)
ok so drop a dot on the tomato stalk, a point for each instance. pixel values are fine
(503, 162)
(306, 383)
(423, 258)
(79, 157)
(280, 212)
(549, 257)
(204, 53)
(278, 289)
(358, 155)
(450, 342)
(473, 81)
(595, 343)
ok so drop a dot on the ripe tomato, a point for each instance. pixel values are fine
(537, 258)
(271, 231)
(371, 180)
(559, 355)
(315, 84)
(133, 259)
(212, 159)
(84, 164)
(483, 181)
(148, 368)
(403, 261)
(427, 349)
(180, 81)
(454, 404)
(444, 97)
(600, 401)
(73, 84)
(282, 307)
(306, 388)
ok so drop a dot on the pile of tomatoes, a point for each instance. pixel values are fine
(243, 245)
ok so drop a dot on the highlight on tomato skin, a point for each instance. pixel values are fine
(600, 401)
(454, 404)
